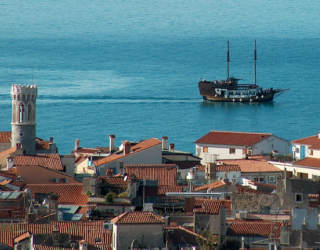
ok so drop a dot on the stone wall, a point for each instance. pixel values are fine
(254, 202)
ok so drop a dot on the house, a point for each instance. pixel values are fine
(139, 229)
(144, 152)
(257, 170)
(238, 145)
(306, 147)
(250, 231)
(210, 215)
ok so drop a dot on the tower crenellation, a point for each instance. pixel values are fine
(24, 116)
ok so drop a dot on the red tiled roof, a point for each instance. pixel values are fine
(308, 162)
(161, 191)
(9, 151)
(52, 161)
(5, 137)
(262, 184)
(232, 138)
(166, 176)
(134, 149)
(86, 151)
(201, 168)
(212, 185)
(69, 193)
(227, 168)
(310, 141)
(88, 231)
(43, 145)
(22, 237)
(251, 166)
(138, 217)
(211, 206)
(19, 184)
(8, 175)
(254, 227)
(115, 181)
(150, 165)
(181, 235)
(5, 214)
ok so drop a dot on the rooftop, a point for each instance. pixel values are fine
(138, 217)
(232, 138)
(252, 165)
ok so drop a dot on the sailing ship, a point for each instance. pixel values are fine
(229, 90)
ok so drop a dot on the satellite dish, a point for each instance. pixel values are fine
(125, 178)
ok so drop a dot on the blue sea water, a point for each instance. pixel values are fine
(131, 68)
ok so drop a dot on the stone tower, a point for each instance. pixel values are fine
(24, 117)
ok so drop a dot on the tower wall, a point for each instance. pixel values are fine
(24, 116)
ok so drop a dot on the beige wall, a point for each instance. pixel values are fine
(126, 233)
(40, 175)
(4, 146)
(69, 163)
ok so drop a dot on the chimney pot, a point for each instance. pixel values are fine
(171, 146)
(77, 145)
(51, 139)
(126, 147)
(111, 147)
(164, 142)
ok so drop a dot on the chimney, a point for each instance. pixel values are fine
(171, 146)
(111, 147)
(164, 143)
(121, 168)
(77, 145)
(51, 140)
(126, 147)
(9, 162)
(189, 204)
(319, 135)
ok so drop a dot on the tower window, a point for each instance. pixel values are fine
(29, 113)
(21, 113)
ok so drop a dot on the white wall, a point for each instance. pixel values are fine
(229, 175)
(297, 169)
(151, 155)
(272, 143)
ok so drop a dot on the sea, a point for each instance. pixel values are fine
(131, 67)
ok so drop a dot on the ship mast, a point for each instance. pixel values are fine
(255, 63)
(228, 60)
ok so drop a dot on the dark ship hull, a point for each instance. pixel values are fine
(231, 92)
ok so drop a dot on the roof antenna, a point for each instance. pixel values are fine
(32, 75)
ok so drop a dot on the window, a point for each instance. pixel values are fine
(311, 152)
(272, 179)
(205, 149)
(298, 198)
(232, 151)
(297, 150)
(258, 179)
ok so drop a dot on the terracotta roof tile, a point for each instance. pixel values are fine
(138, 217)
(43, 145)
(181, 235)
(308, 162)
(211, 206)
(89, 231)
(212, 185)
(227, 168)
(232, 138)
(251, 166)
(69, 193)
(254, 227)
(52, 161)
(201, 168)
(150, 165)
(166, 176)
(8, 175)
(115, 181)
(22, 237)
(5, 137)
(312, 141)
(134, 149)
(8, 151)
